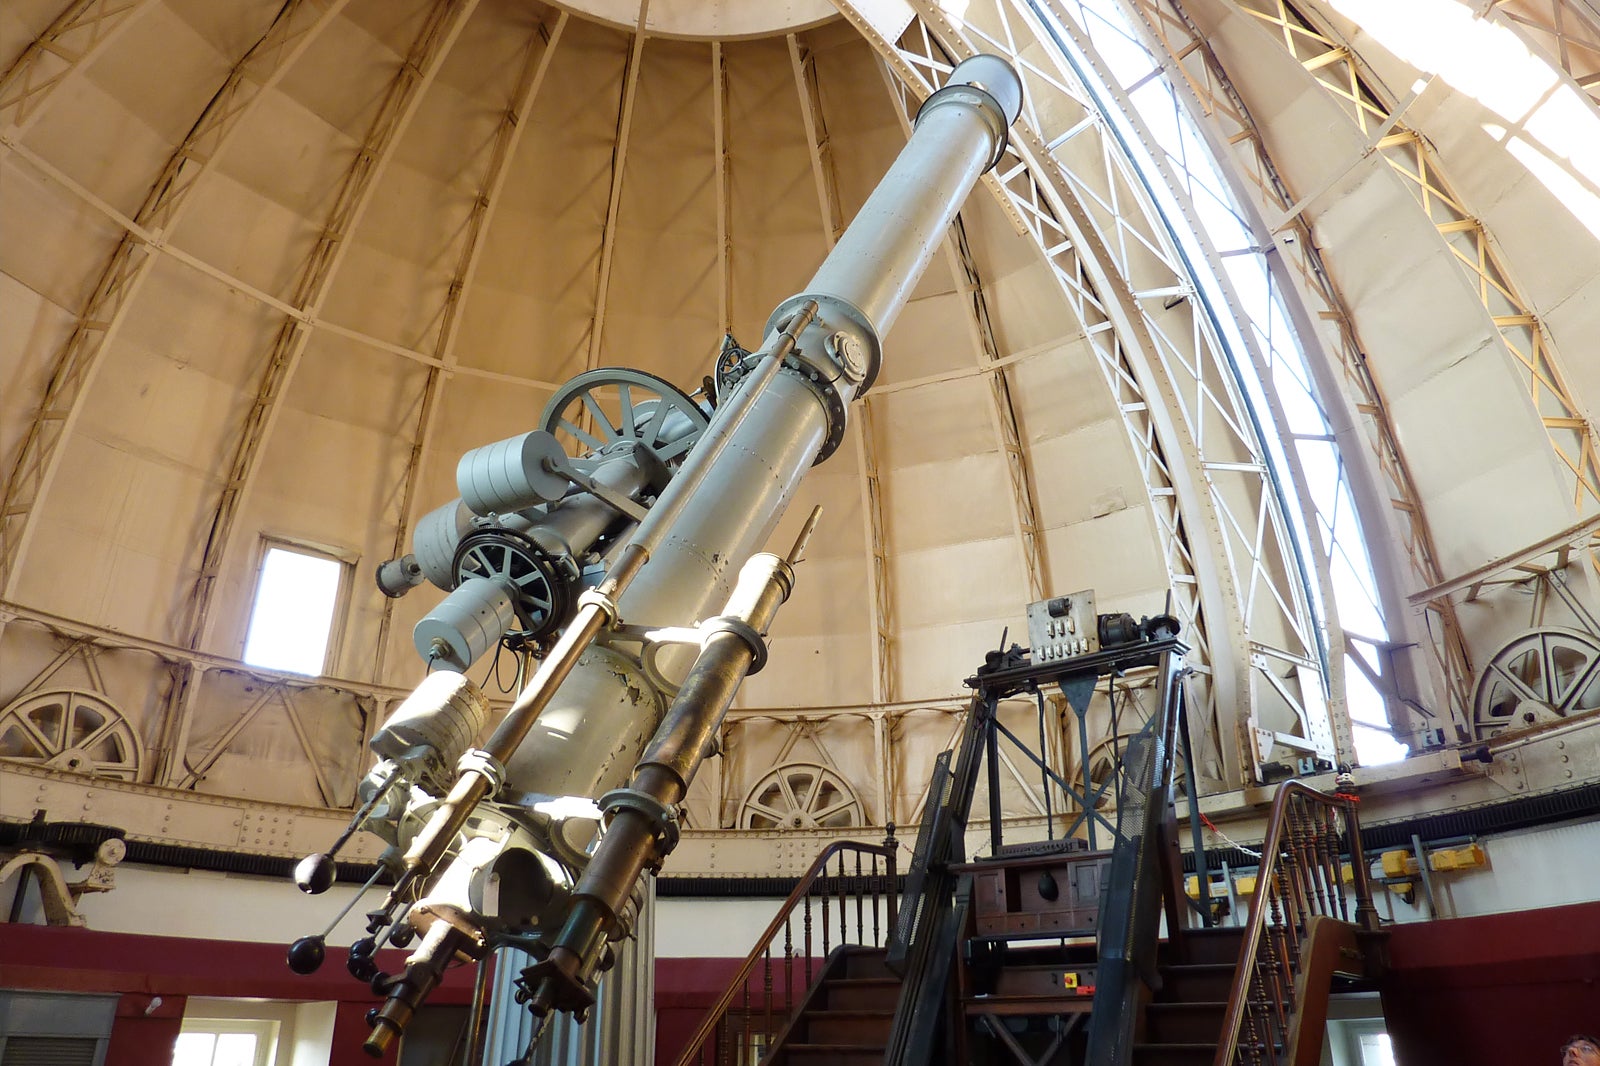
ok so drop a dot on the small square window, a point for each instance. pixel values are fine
(297, 595)
(226, 1042)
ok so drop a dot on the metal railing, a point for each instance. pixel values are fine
(1301, 878)
(835, 903)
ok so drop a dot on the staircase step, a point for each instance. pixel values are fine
(1194, 982)
(1184, 1023)
(1210, 945)
(860, 993)
(1174, 1054)
(832, 1054)
(848, 1026)
(867, 962)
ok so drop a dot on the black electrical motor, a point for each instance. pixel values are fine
(1117, 629)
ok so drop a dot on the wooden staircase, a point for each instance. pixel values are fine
(1183, 1020)
(845, 1019)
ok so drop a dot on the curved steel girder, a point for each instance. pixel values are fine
(1330, 725)
(1396, 530)
(76, 365)
(1184, 448)
(440, 27)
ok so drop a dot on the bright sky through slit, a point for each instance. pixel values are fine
(293, 614)
(1350, 573)
(1555, 132)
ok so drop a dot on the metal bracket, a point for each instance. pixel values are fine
(478, 761)
(727, 623)
(604, 493)
(663, 817)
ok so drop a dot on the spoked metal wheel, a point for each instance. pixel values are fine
(71, 729)
(1541, 676)
(602, 407)
(542, 592)
(801, 795)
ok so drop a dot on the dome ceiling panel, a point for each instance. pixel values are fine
(864, 131)
(1091, 474)
(55, 244)
(933, 336)
(661, 305)
(930, 662)
(1058, 390)
(775, 220)
(930, 505)
(958, 582)
(38, 329)
(932, 423)
(1026, 311)
(91, 555)
(1116, 554)
(21, 23)
(541, 256)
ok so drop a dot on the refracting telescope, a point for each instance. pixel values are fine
(634, 569)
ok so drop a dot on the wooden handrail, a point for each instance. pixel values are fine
(885, 884)
(1300, 878)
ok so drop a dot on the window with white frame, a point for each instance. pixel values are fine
(226, 1042)
(300, 590)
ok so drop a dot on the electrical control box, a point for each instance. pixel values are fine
(1063, 627)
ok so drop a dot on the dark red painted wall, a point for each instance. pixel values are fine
(1502, 990)
(174, 968)
(685, 990)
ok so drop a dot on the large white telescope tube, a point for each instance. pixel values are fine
(590, 734)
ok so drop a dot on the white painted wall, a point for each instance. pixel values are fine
(217, 906)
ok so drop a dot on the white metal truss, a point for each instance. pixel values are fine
(542, 46)
(78, 362)
(1336, 67)
(1380, 479)
(1237, 584)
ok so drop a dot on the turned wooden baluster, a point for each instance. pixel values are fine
(808, 937)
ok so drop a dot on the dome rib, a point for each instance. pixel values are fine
(444, 22)
(536, 66)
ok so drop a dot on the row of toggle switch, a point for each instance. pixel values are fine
(1063, 628)
(1065, 650)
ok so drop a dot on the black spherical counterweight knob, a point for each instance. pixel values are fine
(306, 954)
(314, 874)
(360, 963)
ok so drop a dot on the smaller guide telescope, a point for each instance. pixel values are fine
(635, 570)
